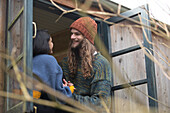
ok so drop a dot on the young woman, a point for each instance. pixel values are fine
(46, 67)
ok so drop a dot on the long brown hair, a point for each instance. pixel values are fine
(84, 54)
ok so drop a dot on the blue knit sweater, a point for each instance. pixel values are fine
(47, 68)
(88, 91)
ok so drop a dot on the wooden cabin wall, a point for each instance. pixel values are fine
(61, 42)
(128, 68)
(163, 83)
(15, 40)
(2, 48)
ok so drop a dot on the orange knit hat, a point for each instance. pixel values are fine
(87, 26)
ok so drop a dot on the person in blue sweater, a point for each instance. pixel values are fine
(86, 68)
(46, 67)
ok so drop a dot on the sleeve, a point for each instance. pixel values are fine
(64, 66)
(100, 89)
(55, 76)
(100, 86)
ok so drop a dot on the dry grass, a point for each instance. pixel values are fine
(158, 28)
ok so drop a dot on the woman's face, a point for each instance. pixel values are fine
(51, 45)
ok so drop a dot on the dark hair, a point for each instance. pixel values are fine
(40, 43)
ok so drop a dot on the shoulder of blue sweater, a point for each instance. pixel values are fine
(45, 58)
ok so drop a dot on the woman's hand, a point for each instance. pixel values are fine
(65, 82)
(69, 84)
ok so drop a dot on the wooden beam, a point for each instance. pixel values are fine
(131, 84)
(150, 66)
(68, 3)
(124, 51)
(72, 4)
(2, 48)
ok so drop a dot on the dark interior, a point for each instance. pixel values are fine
(45, 16)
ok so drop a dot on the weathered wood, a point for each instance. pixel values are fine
(2, 49)
(15, 39)
(149, 64)
(122, 37)
(127, 68)
(163, 90)
(129, 100)
(132, 63)
(130, 67)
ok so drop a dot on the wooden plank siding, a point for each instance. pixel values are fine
(14, 40)
(122, 37)
(131, 66)
(2, 48)
(163, 90)
(127, 68)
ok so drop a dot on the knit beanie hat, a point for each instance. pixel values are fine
(87, 26)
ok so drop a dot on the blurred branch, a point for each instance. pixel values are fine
(151, 57)
(40, 101)
(143, 92)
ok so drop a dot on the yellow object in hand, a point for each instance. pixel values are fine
(36, 94)
(72, 89)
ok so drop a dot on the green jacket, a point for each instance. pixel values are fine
(90, 90)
